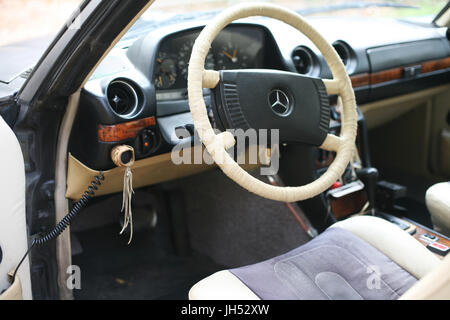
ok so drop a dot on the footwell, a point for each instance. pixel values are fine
(146, 269)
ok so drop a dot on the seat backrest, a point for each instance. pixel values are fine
(434, 286)
(13, 228)
(438, 203)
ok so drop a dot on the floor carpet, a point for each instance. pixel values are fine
(146, 269)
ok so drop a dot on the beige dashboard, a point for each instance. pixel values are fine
(146, 172)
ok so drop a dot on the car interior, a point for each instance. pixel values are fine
(191, 220)
(362, 105)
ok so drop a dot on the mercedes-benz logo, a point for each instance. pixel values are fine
(279, 102)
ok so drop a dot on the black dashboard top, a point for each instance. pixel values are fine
(162, 53)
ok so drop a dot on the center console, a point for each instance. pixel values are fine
(437, 243)
(359, 192)
(377, 198)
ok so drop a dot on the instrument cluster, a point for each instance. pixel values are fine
(236, 47)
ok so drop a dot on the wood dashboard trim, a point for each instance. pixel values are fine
(124, 131)
(365, 79)
(360, 80)
(386, 75)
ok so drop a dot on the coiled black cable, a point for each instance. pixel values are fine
(40, 240)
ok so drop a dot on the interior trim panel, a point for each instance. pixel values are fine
(146, 172)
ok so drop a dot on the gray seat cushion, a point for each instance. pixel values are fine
(335, 265)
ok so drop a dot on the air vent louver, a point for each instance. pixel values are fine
(343, 52)
(303, 60)
(347, 55)
(122, 97)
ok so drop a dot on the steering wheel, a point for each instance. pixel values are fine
(246, 97)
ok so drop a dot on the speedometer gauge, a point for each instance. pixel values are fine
(185, 55)
(165, 71)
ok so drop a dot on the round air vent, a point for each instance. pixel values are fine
(343, 52)
(303, 59)
(122, 97)
(347, 55)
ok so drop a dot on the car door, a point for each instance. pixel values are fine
(13, 232)
(91, 31)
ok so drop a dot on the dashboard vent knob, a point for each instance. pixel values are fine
(303, 60)
(122, 98)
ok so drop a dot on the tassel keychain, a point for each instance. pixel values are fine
(123, 156)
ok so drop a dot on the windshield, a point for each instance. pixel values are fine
(426, 9)
(29, 19)
(164, 12)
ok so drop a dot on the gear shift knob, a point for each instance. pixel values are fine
(369, 176)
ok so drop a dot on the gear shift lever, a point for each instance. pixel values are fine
(369, 176)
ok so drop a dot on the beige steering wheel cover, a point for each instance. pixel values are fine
(216, 145)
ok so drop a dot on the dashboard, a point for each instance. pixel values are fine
(138, 94)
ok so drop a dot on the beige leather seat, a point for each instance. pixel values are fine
(13, 227)
(438, 203)
(389, 240)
